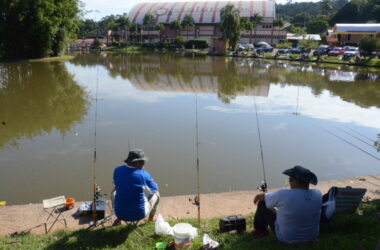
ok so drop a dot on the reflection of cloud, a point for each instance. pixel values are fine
(280, 126)
(224, 110)
(327, 107)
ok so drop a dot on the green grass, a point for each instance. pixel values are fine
(344, 232)
(52, 59)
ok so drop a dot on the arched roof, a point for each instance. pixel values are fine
(202, 12)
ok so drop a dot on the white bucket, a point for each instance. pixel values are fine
(182, 235)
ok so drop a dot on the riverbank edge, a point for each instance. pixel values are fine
(279, 58)
(31, 217)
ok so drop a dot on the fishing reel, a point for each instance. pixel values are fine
(263, 187)
(195, 201)
(97, 193)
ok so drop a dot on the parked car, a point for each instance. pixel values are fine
(248, 46)
(265, 48)
(322, 50)
(352, 51)
(300, 50)
(284, 50)
(337, 51)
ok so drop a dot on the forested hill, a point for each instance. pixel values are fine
(335, 11)
(358, 11)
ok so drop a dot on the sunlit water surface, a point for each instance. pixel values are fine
(325, 118)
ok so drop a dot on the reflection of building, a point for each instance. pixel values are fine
(352, 33)
(198, 84)
(206, 15)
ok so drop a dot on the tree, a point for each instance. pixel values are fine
(177, 26)
(36, 28)
(187, 22)
(301, 19)
(276, 23)
(134, 28)
(123, 24)
(317, 27)
(368, 45)
(230, 24)
(326, 6)
(148, 20)
(161, 28)
(249, 27)
(256, 19)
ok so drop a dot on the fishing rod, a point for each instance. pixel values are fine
(263, 187)
(96, 189)
(197, 201)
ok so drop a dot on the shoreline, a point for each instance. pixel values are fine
(30, 218)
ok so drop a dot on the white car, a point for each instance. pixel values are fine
(352, 51)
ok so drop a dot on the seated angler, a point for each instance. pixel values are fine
(298, 209)
(136, 193)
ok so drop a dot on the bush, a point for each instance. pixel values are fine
(178, 41)
(198, 44)
(368, 45)
(283, 45)
(310, 43)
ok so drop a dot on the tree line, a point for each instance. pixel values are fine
(36, 28)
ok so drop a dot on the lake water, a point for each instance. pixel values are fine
(323, 117)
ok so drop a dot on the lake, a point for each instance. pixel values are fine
(323, 117)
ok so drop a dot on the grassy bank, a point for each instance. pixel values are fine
(355, 231)
(52, 59)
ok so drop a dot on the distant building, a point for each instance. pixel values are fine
(206, 15)
(295, 38)
(351, 33)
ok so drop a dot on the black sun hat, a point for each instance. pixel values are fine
(136, 155)
(302, 174)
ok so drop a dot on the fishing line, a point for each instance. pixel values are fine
(345, 131)
(197, 201)
(371, 140)
(261, 147)
(344, 140)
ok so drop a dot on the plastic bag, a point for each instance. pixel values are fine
(162, 227)
(209, 243)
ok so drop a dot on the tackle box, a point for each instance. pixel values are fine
(232, 223)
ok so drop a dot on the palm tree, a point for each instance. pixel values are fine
(256, 19)
(148, 20)
(249, 27)
(276, 23)
(161, 28)
(187, 22)
(124, 24)
(230, 24)
(134, 28)
(177, 26)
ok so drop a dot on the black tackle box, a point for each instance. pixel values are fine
(231, 223)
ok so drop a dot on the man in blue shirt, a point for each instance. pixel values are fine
(136, 193)
(298, 209)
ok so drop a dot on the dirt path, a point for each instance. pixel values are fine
(24, 217)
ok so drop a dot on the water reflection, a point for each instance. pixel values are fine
(36, 98)
(237, 77)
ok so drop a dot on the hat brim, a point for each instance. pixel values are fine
(309, 178)
(145, 159)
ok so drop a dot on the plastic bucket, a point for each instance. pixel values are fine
(182, 235)
(69, 203)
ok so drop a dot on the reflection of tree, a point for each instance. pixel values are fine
(36, 98)
(377, 143)
(237, 75)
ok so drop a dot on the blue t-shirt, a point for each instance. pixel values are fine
(129, 198)
(298, 214)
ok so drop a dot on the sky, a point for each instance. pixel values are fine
(96, 9)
